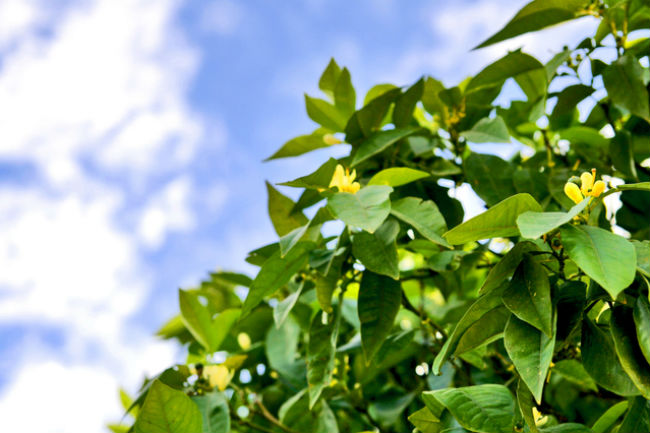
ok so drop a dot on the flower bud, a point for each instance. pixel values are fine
(573, 192)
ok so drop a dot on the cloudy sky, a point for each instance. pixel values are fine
(131, 141)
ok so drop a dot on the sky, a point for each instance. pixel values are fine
(132, 135)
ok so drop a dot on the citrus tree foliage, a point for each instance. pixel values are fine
(406, 316)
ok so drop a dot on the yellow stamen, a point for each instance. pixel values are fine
(573, 192)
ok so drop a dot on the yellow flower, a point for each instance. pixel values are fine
(344, 181)
(219, 376)
(587, 180)
(573, 192)
(330, 139)
(598, 188)
(540, 419)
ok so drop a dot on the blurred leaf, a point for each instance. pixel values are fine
(166, 410)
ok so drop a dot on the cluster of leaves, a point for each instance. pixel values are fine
(531, 316)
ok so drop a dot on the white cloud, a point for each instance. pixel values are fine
(98, 108)
(222, 17)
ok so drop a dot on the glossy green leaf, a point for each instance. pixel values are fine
(378, 304)
(405, 104)
(308, 232)
(490, 177)
(600, 360)
(325, 114)
(329, 78)
(482, 306)
(642, 323)
(609, 418)
(321, 350)
(528, 295)
(397, 176)
(535, 224)
(295, 414)
(642, 256)
(625, 342)
(509, 66)
(367, 209)
(301, 145)
(488, 130)
(215, 411)
(482, 408)
(423, 216)
(425, 421)
(531, 352)
(198, 320)
(486, 329)
(281, 212)
(166, 410)
(498, 221)
(380, 141)
(569, 427)
(319, 179)
(604, 256)
(366, 121)
(537, 15)
(637, 418)
(526, 405)
(281, 347)
(378, 251)
(506, 266)
(573, 371)
(345, 97)
(275, 273)
(284, 307)
(623, 80)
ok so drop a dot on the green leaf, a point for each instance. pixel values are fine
(329, 78)
(642, 256)
(506, 266)
(623, 333)
(642, 323)
(607, 258)
(281, 212)
(573, 371)
(367, 120)
(490, 177)
(637, 418)
(378, 251)
(321, 351)
(301, 145)
(381, 140)
(621, 151)
(284, 307)
(214, 408)
(308, 232)
(295, 414)
(397, 176)
(531, 352)
(569, 427)
(405, 104)
(319, 179)
(600, 360)
(641, 186)
(537, 15)
(166, 410)
(482, 306)
(535, 224)
(482, 408)
(498, 221)
(511, 65)
(623, 80)
(423, 216)
(526, 405)
(488, 130)
(425, 421)
(275, 273)
(528, 295)
(345, 98)
(485, 330)
(198, 320)
(281, 346)
(325, 114)
(378, 304)
(367, 209)
(611, 415)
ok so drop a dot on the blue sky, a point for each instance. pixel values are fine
(131, 143)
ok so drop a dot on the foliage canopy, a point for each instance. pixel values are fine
(531, 316)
